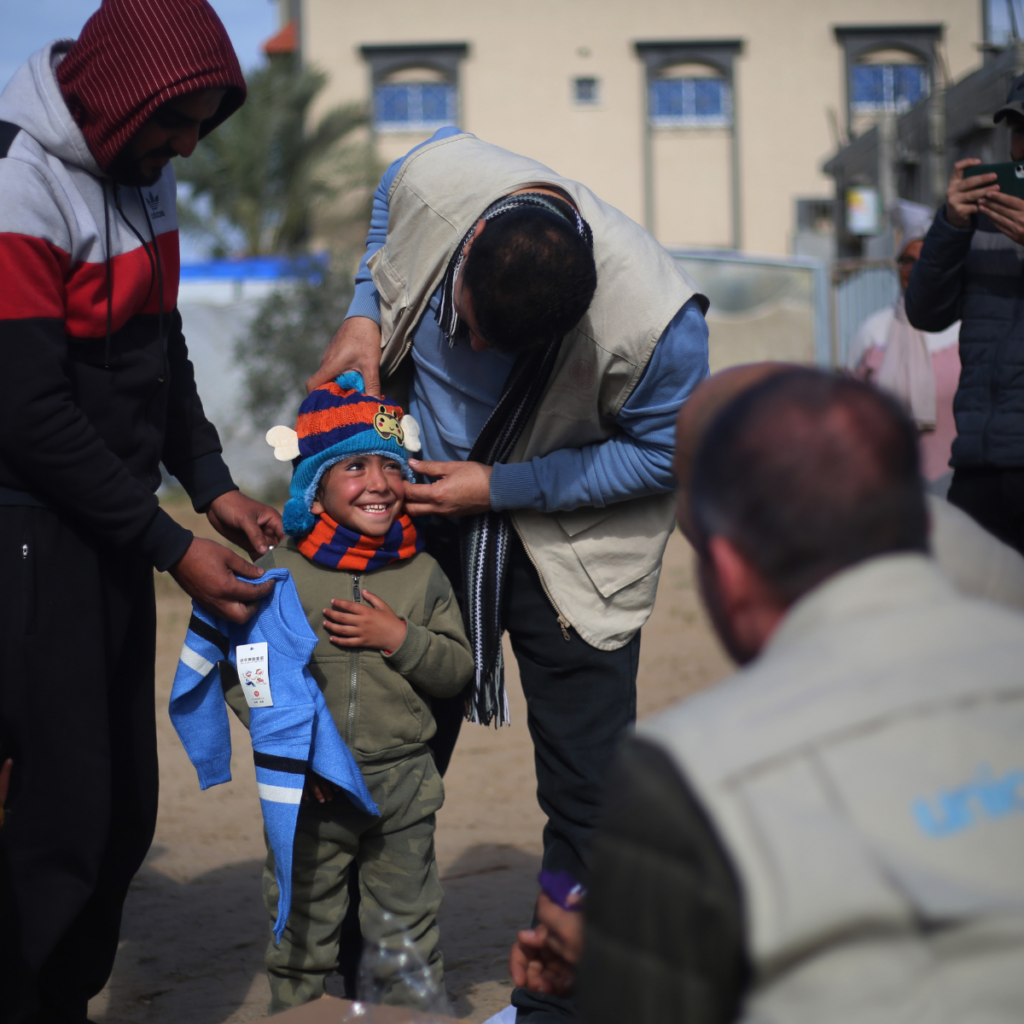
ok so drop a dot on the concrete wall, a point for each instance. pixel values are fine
(515, 90)
(215, 315)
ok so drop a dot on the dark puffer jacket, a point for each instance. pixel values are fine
(977, 275)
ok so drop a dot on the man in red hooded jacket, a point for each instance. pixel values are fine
(99, 392)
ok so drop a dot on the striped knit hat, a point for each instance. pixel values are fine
(134, 56)
(336, 421)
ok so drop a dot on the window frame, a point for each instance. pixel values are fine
(598, 97)
(890, 102)
(441, 58)
(689, 92)
(858, 41)
(412, 124)
(718, 55)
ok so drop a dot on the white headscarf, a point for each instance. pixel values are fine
(911, 221)
(906, 368)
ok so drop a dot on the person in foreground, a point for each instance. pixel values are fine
(969, 270)
(394, 641)
(834, 832)
(100, 393)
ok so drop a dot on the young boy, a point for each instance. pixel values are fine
(390, 636)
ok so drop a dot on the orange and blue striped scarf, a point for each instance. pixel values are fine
(341, 548)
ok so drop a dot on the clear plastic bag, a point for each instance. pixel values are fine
(392, 972)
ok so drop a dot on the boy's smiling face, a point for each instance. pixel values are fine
(365, 493)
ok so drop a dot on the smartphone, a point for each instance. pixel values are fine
(1011, 176)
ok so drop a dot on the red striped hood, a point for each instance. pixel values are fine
(135, 55)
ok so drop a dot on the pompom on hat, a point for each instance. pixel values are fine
(336, 421)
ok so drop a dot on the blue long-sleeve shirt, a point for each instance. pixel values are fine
(454, 391)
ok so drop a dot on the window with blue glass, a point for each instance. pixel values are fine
(881, 88)
(689, 102)
(414, 106)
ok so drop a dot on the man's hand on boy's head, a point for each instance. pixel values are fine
(246, 522)
(356, 346)
(352, 624)
(207, 571)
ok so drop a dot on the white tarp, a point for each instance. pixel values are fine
(213, 319)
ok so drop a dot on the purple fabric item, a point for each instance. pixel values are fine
(560, 886)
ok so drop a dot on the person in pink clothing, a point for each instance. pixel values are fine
(921, 369)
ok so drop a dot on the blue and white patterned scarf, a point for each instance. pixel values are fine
(485, 537)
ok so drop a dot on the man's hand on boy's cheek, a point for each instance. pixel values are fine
(352, 624)
(459, 489)
(207, 571)
(246, 522)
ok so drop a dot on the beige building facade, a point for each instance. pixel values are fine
(707, 122)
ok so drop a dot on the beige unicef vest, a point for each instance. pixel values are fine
(866, 775)
(600, 566)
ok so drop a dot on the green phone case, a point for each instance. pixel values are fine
(1011, 176)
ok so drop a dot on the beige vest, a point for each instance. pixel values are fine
(600, 566)
(977, 563)
(866, 774)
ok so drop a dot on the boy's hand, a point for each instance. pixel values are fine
(352, 624)
(317, 789)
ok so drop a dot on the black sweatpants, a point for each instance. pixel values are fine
(77, 646)
(993, 497)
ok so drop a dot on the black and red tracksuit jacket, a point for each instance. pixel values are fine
(100, 389)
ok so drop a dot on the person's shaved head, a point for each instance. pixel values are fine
(706, 401)
(806, 473)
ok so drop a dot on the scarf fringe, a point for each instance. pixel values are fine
(485, 537)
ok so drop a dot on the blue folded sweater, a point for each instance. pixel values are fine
(294, 735)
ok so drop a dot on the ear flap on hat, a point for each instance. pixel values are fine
(297, 519)
(411, 433)
(285, 443)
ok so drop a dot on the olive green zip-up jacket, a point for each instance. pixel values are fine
(380, 703)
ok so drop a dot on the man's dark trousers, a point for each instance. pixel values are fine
(579, 702)
(77, 645)
(994, 497)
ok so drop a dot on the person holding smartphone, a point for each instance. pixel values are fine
(970, 270)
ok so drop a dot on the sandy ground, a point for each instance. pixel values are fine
(194, 926)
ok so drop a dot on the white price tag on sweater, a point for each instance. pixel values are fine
(254, 674)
